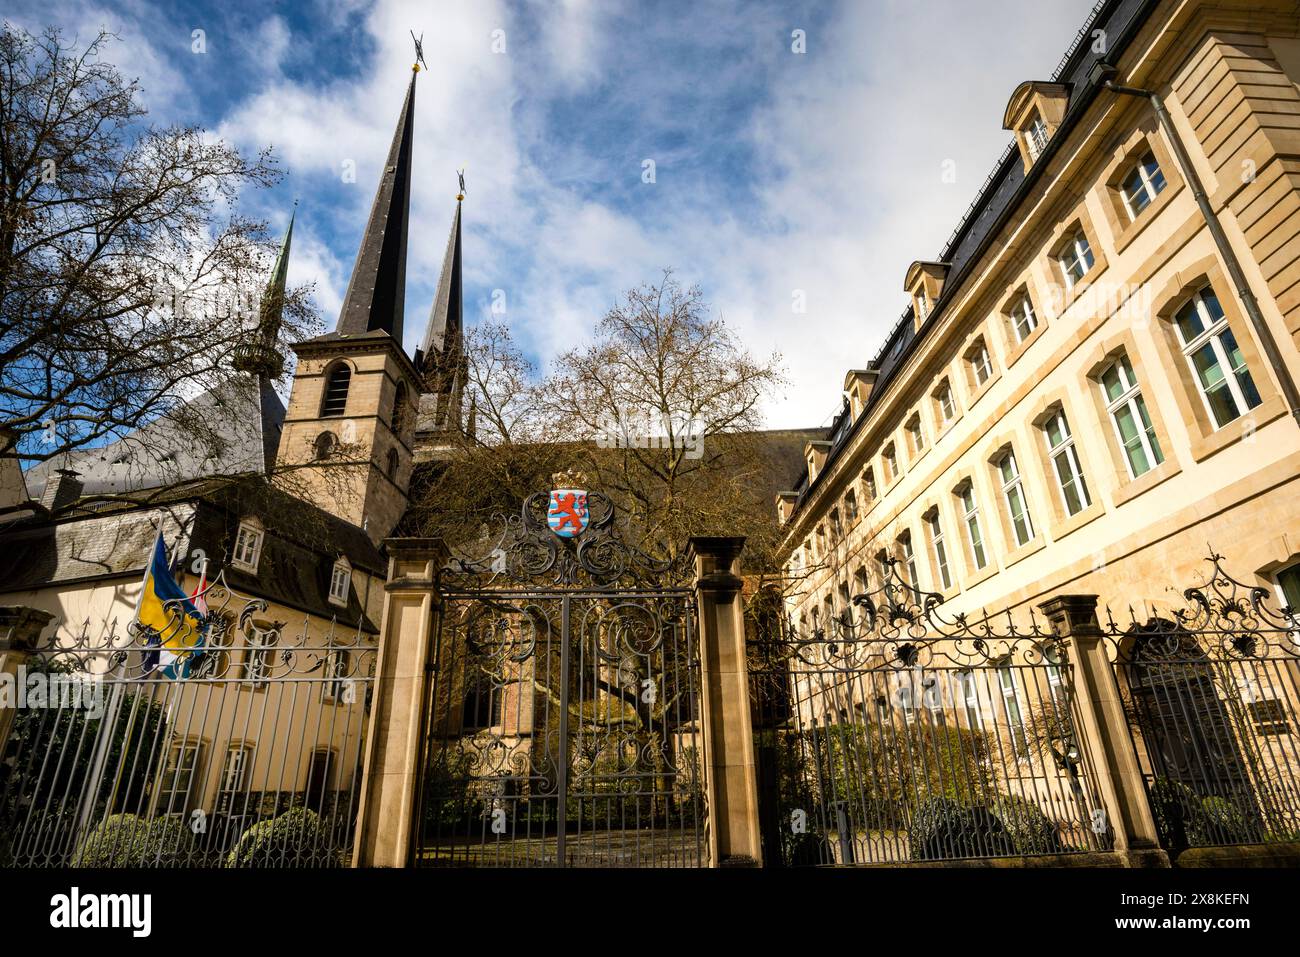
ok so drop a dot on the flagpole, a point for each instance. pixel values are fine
(110, 718)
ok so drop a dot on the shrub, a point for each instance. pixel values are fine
(941, 828)
(1176, 809)
(125, 840)
(1030, 830)
(296, 838)
(1222, 821)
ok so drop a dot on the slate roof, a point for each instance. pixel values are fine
(995, 203)
(247, 423)
(113, 539)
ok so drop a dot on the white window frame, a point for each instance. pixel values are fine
(1212, 335)
(1009, 692)
(939, 549)
(1022, 313)
(1036, 136)
(259, 657)
(981, 362)
(916, 436)
(869, 483)
(1148, 185)
(1065, 452)
(1014, 487)
(165, 798)
(340, 583)
(234, 777)
(1077, 251)
(890, 458)
(1282, 601)
(970, 510)
(947, 407)
(247, 552)
(1130, 398)
(337, 666)
(908, 552)
(968, 694)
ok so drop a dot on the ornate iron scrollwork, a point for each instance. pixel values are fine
(524, 551)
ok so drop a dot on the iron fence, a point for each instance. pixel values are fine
(1211, 693)
(894, 735)
(253, 759)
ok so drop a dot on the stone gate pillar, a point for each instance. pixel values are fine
(1104, 731)
(725, 720)
(20, 627)
(386, 814)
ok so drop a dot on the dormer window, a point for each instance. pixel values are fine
(340, 582)
(1142, 185)
(248, 546)
(1075, 258)
(924, 283)
(1034, 113)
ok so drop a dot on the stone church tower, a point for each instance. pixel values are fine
(360, 404)
(348, 431)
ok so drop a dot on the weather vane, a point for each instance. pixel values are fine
(419, 52)
(460, 175)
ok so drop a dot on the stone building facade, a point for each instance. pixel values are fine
(1078, 396)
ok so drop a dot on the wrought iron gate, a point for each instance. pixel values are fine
(562, 719)
(1212, 691)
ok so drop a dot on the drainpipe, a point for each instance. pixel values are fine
(1102, 75)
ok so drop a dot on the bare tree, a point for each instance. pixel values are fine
(126, 281)
(659, 412)
(668, 402)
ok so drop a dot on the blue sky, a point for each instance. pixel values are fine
(778, 175)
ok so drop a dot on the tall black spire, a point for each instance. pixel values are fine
(377, 290)
(441, 357)
(445, 318)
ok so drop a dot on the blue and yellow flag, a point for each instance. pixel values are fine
(178, 628)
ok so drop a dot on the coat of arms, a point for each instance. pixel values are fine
(567, 512)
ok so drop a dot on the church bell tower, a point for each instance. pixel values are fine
(350, 425)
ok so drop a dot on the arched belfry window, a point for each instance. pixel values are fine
(400, 400)
(336, 390)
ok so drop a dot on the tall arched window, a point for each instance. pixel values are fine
(336, 390)
(398, 421)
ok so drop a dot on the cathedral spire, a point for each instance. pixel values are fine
(260, 356)
(445, 318)
(377, 290)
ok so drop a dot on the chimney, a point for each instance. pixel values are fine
(61, 489)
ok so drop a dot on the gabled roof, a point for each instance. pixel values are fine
(112, 540)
